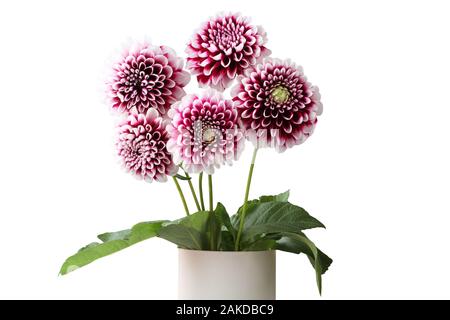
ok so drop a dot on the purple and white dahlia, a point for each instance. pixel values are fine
(277, 106)
(141, 146)
(223, 48)
(204, 132)
(147, 77)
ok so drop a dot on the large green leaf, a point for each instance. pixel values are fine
(293, 245)
(261, 242)
(199, 231)
(227, 241)
(274, 217)
(112, 242)
(189, 232)
(260, 245)
(224, 219)
(282, 197)
(118, 235)
(183, 236)
(299, 243)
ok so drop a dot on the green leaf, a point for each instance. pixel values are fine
(189, 232)
(273, 217)
(261, 245)
(118, 235)
(222, 215)
(282, 197)
(257, 242)
(90, 245)
(290, 244)
(227, 241)
(183, 236)
(298, 243)
(112, 242)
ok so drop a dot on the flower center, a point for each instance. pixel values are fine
(209, 136)
(280, 94)
(136, 79)
(226, 36)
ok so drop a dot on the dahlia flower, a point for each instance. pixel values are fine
(147, 77)
(223, 48)
(204, 132)
(277, 106)
(142, 147)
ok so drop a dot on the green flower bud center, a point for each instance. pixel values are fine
(280, 94)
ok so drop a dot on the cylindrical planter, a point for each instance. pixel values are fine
(226, 275)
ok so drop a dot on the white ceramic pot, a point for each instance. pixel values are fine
(226, 275)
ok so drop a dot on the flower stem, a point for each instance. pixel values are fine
(191, 186)
(200, 190)
(244, 207)
(180, 192)
(210, 192)
(213, 235)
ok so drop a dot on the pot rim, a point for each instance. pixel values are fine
(226, 252)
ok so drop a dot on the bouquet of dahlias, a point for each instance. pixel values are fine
(166, 133)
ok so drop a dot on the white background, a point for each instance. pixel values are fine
(376, 171)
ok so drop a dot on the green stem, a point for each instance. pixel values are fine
(244, 207)
(180, 192)
(191, 186)
(212, 239)
(200, 189)
(210, 193)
